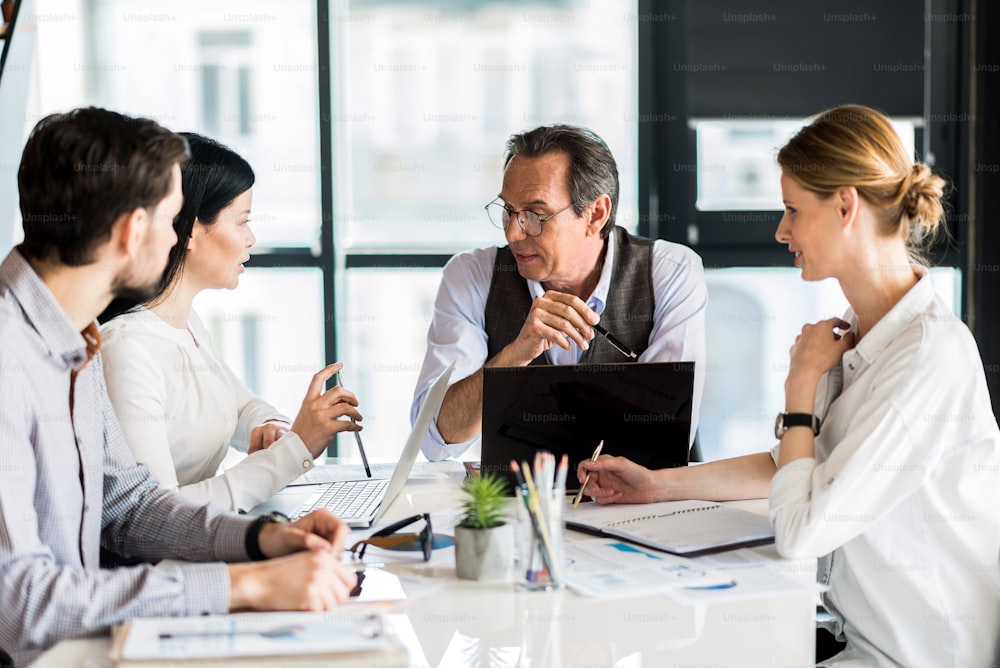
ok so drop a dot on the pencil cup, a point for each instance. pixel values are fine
(540, 554)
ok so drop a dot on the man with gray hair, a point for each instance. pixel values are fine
(566, 268)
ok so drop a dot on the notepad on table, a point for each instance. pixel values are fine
(688, 528)
(336, 638)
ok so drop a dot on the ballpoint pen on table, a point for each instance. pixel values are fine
(357, 435)
(277, 632)
(593, 458)
(613, 340)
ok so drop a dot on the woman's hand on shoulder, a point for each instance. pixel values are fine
(816, 350)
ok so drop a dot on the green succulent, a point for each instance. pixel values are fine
(486, 500)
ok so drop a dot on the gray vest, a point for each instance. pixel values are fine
(628, 314)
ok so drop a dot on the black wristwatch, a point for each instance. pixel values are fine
(252, 541)
(786, 421)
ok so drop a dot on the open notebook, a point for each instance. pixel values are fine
(688, 528)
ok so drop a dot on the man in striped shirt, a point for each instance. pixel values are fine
(98, 194)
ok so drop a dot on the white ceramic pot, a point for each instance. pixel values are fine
(484, 554)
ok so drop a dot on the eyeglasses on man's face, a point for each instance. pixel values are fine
(388, 538)
(501, 213)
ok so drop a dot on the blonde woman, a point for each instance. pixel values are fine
(885, 469)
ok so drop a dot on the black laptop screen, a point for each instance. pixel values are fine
(641, 411)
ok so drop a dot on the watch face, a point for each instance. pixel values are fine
(779, 425)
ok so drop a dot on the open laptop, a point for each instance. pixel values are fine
(360, 503)
(641, 411)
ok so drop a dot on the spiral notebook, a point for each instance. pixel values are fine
(688, 528)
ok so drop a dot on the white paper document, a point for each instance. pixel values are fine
(764, 581)
(278, 634)
(607, 567)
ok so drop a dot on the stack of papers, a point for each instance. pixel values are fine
(610, 568)
(338, 638)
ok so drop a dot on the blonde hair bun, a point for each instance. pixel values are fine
(856, 146)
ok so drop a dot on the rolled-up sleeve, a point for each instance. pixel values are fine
(457, 333)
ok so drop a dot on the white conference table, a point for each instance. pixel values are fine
(448, 622)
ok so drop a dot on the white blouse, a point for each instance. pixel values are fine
(903, 497)
(181, 408)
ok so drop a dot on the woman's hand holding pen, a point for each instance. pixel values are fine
(318, 419)
(618, 480)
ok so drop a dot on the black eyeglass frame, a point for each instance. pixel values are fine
(388, 538)
(515, 214)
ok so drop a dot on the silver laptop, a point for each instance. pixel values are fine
(360, 503)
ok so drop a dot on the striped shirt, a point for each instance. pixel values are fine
(69, 484)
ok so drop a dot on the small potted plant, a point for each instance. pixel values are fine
(484, 541)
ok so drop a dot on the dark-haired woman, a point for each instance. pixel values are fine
(181, 408)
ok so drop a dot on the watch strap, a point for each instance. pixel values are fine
(252, 540)
(788, 420)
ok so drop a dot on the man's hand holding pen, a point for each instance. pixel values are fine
(555, 319)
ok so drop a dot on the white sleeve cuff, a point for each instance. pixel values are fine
(435, 448)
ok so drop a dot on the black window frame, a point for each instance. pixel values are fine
(957, 91)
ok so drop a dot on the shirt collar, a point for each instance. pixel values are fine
(598, 300)
(914, 302)
(45, 315)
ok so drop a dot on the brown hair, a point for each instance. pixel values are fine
(83, 169)
(853, 145)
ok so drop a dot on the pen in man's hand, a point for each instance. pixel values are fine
(593, 458)
(613, 340)
(357, 435)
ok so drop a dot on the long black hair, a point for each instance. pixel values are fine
(211, 179)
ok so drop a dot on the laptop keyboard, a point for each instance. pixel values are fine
(350, 499)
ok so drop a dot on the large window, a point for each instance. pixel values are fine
(422, 97)
(244, 73)
(723, 87)
(377, 129)
(753, 317)
(425, 95)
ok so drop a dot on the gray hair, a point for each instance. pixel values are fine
(592, 169)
